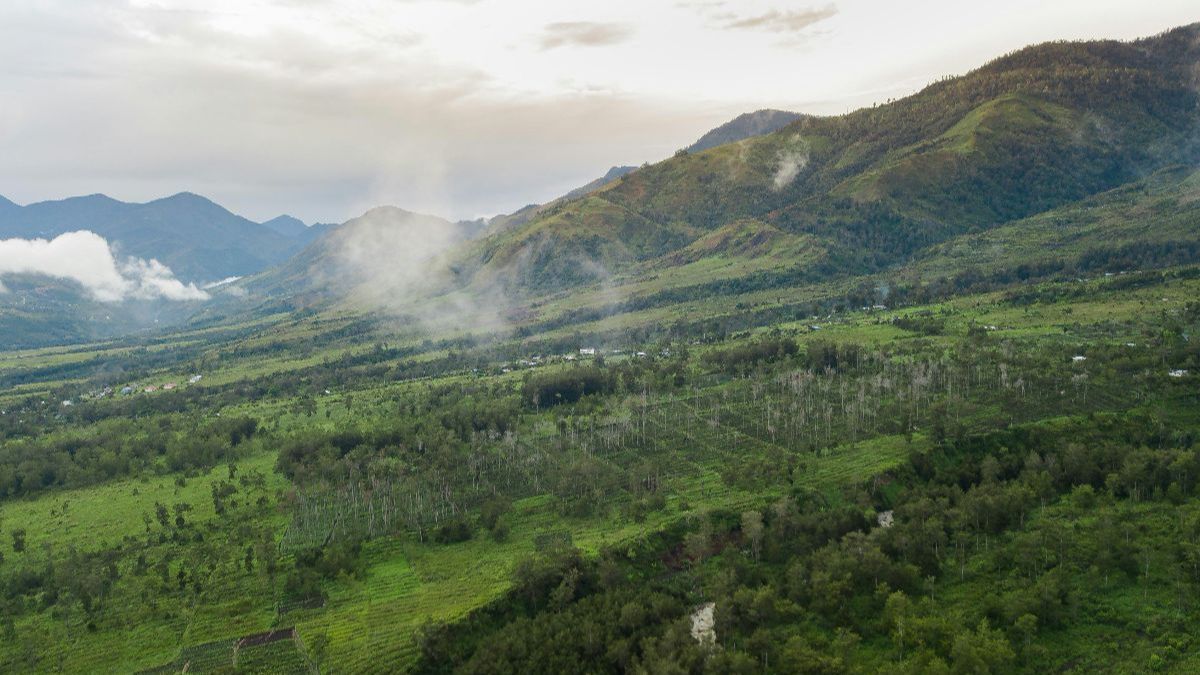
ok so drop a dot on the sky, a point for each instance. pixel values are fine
(462, 108)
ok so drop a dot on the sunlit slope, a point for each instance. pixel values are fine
(1040, 128)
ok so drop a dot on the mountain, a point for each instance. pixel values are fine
(383, 249)
(36, 311)
(746, 125)
(1029, 132)
(528, 212)
(609, 176)
(286, 225)
(198, 239)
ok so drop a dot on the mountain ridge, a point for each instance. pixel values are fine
(746, 125)
(1020, 135)
(197, 238)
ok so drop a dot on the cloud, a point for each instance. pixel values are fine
(792, 159)
(584, 34)
(86, 258)
(396, 263)
(217, 284)
(776, 21)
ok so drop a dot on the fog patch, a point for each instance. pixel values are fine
(792, 159)
(87, 259)
(397, 263)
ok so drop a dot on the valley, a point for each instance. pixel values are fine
(911, 389)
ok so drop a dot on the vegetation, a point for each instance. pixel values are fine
(932, 408)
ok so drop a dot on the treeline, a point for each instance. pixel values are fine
(745, 357)
(119, 447)
(568, 385)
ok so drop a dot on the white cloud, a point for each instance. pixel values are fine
(792, 159)
(217, 284)
(86, 258)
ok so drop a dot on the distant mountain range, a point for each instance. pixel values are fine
(199, 240)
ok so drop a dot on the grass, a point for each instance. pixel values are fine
(95, 517)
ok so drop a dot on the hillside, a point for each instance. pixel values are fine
(746, 125)
(1034, 130)
(375, 254)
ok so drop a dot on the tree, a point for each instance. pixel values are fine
(162, 514)
(983, 651)
(896, 612)
(1026, 627)
(752, 530)
(180, 509)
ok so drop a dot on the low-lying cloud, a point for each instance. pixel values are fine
(87, 259)
(400, 265)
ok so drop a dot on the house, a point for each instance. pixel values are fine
(194, 379)
(126, 390)
(1177, 373)
(151, 389)
(169, 386)
(67, 403)
(587, 351)
(1078, 359)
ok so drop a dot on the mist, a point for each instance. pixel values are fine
(791, 161)
(399, 266)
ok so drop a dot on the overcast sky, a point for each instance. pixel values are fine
(323, 109)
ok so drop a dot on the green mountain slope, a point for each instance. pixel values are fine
(1037, 129)
(1148, 223)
